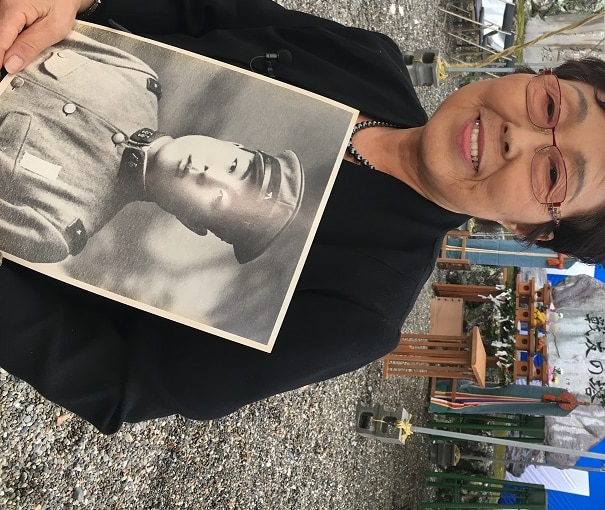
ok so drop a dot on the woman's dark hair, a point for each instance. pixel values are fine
(581, 236)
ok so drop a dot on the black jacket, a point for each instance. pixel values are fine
(374, 249)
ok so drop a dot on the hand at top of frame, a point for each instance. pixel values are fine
(29, 26)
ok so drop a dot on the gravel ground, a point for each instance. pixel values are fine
(294, 451)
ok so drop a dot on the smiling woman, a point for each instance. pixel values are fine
(530, 162)
(583, 229)
(521, 150)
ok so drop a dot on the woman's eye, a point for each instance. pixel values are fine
(233, 166)
(554, 174)
(550, 108)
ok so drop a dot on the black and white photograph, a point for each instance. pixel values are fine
(180, 185)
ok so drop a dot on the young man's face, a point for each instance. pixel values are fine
(203, 181)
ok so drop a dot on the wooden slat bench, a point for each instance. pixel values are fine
(444, 352)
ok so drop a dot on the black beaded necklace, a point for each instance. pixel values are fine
(358, 127)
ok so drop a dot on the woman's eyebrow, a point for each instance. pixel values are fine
(582, 104)
(578, 159)
(579, 167)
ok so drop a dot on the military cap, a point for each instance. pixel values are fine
(279, 181)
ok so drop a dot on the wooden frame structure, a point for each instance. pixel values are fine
(443, 353)
(527, 298)
(445, 262)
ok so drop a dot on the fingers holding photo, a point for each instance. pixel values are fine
(29, 26)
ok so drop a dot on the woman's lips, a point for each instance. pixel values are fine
(474, 145)
(470, 143)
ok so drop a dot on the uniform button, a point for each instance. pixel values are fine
(69, 108)
(118, 138)
(17, 82)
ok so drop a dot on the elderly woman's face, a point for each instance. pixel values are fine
(490, 119)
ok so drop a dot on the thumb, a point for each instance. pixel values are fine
(34, 39)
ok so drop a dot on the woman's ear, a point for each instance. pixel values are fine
(513, 227)
(523, 230)
(546, 237)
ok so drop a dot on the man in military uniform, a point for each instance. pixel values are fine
(79, 140)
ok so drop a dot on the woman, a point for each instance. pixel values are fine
(490, 151)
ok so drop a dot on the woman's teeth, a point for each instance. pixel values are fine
(475, 145)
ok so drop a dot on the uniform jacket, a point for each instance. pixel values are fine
(374, 249)
(63, 141)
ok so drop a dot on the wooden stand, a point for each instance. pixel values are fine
(440, 357)
(443, 353)
(525, 340)
(470, 293)
(444, 262)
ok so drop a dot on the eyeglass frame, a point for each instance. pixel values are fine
(554, 208)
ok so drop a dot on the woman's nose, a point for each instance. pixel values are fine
(527, 138)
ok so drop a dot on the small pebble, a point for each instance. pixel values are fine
(78, 494)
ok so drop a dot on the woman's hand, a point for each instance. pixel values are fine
(29, 26)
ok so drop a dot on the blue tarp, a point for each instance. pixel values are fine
(555, 278)
(564, 501)
(599, 274)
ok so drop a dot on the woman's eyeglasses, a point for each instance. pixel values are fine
(548, 172)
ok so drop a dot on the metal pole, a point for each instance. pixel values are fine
(503, 70)
(532, 463)
(450, 247)
(499, 69)
(507, 442)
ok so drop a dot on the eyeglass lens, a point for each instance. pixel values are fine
(549, 176)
